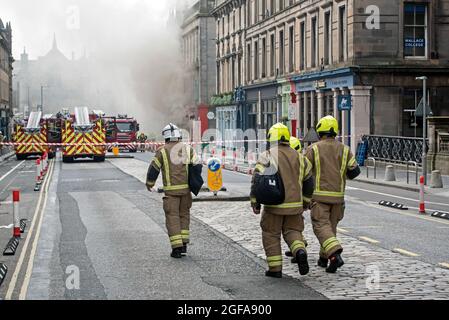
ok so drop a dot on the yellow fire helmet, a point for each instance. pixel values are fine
(295, 144)
(279, 132)
(327, 125)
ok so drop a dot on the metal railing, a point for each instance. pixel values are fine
(374, 167)
(416, 171)
(394, 149)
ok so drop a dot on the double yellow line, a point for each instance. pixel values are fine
(34, 228)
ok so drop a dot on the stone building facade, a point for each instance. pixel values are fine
(354, 59)
(6, 67)
(198, 34)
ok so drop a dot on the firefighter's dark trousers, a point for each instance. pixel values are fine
(177, 218)
(291, 228)
(325, 219)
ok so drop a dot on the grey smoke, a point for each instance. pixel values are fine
(137, 57)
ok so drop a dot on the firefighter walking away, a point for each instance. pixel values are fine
(281, 177)
(332, 163)
(174, 160)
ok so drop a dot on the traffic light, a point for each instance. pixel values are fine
(293, 97)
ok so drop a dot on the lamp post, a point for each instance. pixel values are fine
(424, 153)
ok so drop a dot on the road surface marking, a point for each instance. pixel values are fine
(15, 275)
(404, 213)
(366, 239)
(399, 197)
(11, 171)
(342, 230)
(29, 270)
(444, 265)
(405, 252)
(7, 227)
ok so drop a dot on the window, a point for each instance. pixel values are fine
(218, 78)
(343, 40)
(291, 49)
(327, 38)
(273, 7)
(415, 30)
(272, 55)
(281, 53)
(264, 9)
(256, 60)
(302, 45)
(314, 42)
(249, 13)
(248, 62)
(256, 11)
(234, 14)
(281, 5)
(264, 58)
(239, 71)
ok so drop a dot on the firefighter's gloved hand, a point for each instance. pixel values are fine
(149, 187)
(256, 208)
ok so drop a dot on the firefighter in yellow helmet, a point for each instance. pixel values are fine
(285, 218)
(295, 144)
(173, 160)
(332, 163)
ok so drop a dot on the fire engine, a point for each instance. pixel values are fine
(83, 136)
(33, 134)
(122, 130)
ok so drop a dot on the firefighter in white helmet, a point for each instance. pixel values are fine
(173, 161)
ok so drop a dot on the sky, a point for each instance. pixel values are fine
(137, 54)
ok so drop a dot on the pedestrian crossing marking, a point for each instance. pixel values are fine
(369, 240)
(405, 252)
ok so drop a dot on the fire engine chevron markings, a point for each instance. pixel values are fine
(442, 215)
(3, 272)
(11, 247)
(23, 225)
(393, 205)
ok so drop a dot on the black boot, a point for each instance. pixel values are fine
(184, 249)
(323, 262)
(303, 264)
(176, 253)
(274, 274)
(335, 262)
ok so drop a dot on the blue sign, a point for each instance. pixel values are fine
(344, 103)
(214, 165)
(414, 43)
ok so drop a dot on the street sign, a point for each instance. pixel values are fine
(214, 175)
(419, 110)
(344, 103)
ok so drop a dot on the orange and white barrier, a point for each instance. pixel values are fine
(16, 215)
(38, 171)
(422, 205)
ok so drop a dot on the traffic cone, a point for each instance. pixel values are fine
(38, 171)
(16, 216)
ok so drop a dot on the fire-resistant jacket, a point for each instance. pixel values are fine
(173, 160)
(332, 162)
(296, 173)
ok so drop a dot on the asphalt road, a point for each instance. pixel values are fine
(414, 234)
(103, 236)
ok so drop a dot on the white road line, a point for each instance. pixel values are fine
(405, 252)
(405, 213)
(398, 197)
(366, 239)
(29, 270)
(444, 265)
(15, 275)
(11, 171)
(342, 230)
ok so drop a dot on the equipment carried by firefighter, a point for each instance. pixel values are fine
(84, 135)
(268, 185)
(33, 135)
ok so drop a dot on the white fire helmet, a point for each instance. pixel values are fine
(171, 132)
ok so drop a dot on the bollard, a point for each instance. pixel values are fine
(41, 168)
(389, 174)
(223, 157)
(436, 181)
(234, 155)
(422, 205)
(16, 216)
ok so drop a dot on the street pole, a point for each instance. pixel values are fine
(424, 152)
